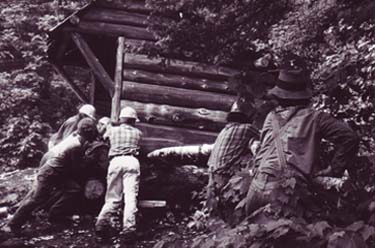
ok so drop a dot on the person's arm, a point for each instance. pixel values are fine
(345, 140)
(67, 128)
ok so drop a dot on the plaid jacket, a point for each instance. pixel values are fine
(124, 140)
(231, 147)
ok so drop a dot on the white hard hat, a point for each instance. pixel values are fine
(88, 110)
(104, 120)
(128, 112)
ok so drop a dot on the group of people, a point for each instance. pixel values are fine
(84, 148)
(287, 150)
(284, 160)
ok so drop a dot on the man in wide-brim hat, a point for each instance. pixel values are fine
(288, 157)
(292, 84)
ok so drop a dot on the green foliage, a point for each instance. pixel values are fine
(267, 230)
(30, 93)
(335, 37)
(220, 32)
(337, 40)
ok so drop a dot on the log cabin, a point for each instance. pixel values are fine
(178, 102)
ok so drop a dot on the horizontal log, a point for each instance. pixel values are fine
(115, 16)
(200, 118)
(174, 96)
(112, 30)
(179, 67)
(129, 5)
(179, 81)
(159, 136)
(149, 144)
(152, 204)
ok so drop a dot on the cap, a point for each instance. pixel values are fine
(86, 125)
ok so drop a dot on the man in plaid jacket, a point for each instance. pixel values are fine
(123, 174)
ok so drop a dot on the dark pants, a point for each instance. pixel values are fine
(66, 200)
(216, 204)
(286, 191)
(264, 189)
(47, 182)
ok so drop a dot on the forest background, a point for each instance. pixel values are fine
(336, 38)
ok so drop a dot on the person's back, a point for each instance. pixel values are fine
(71, 124)
(230, 153)
(66, 152)
(67, 128)
(123, 175)
(231, 146)
(290, 145)
(301, 140)
(124, 139)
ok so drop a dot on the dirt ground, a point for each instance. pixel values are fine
(157, 227)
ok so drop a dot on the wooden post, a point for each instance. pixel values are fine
(97, 68)
(81, 96)
(116, 99)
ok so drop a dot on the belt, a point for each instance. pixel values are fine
(120, 155)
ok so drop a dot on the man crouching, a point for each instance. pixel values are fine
(56, 168)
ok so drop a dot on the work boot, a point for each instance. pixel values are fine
(128, 235)
(103, 233)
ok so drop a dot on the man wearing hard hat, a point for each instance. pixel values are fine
(70, 125)
(123, 174)
(55, 171)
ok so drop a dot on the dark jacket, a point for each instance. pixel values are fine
(301, 140)
(67, 128)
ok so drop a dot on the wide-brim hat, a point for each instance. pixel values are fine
(292, 84)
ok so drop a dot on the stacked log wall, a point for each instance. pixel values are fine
(187, 99)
